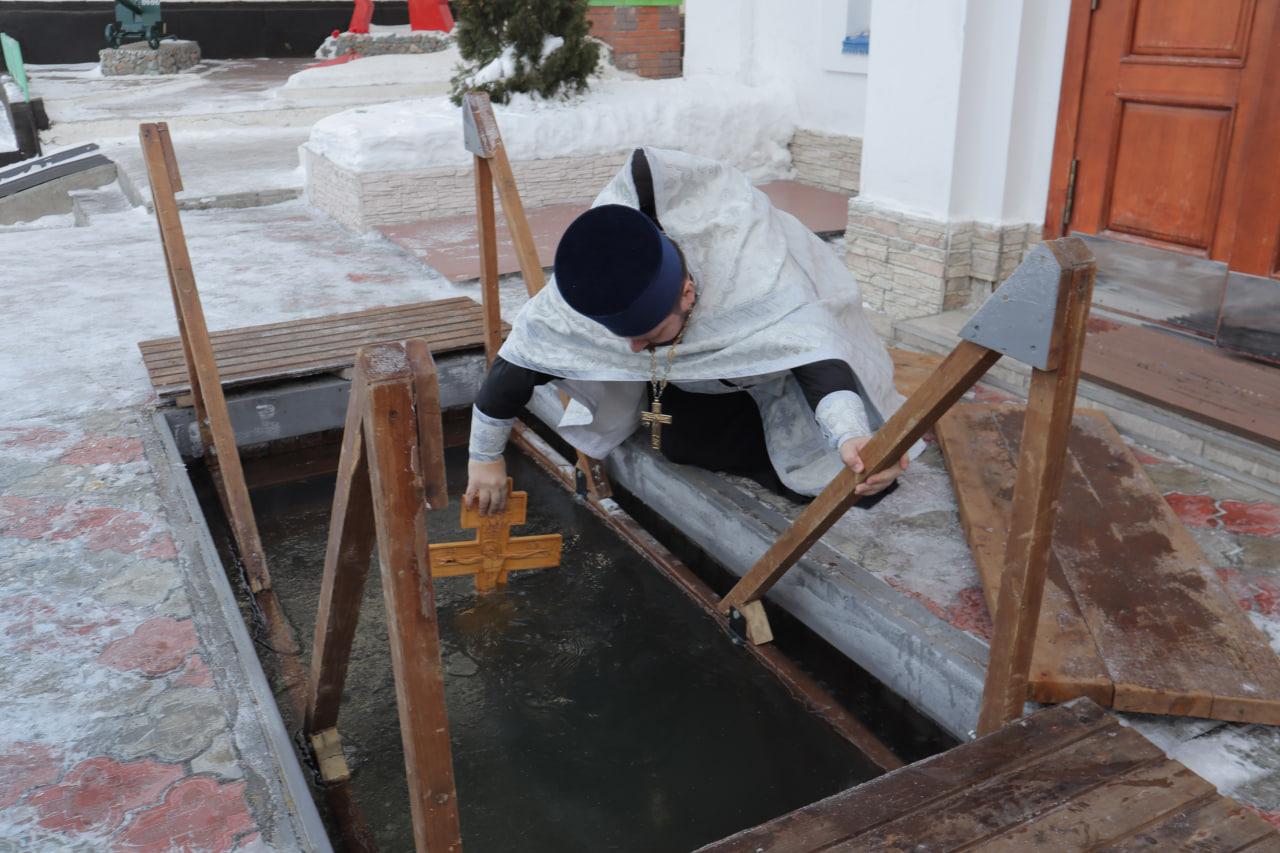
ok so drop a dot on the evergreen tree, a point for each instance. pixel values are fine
(487, 28)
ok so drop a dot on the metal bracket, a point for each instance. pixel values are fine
(1018, 319)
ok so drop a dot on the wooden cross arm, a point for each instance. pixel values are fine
(955, 375)
(459, 559)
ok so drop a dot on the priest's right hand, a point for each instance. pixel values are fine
(486, 486)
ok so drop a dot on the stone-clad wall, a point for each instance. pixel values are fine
(911, 266)
(361, 200)
(827, 160)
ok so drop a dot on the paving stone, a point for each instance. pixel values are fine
(99, 792)
(24, 766)
(155, 647)
(197, 814)
(219, 759)
(178, 725)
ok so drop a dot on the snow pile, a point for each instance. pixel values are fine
(506, 64)
(8, 140)
(749, 127)
(395, 69)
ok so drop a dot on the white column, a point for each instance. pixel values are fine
(961, 109)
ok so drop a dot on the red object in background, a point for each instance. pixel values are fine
(361, 16)
(429, 15)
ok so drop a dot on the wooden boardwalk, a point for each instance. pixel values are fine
(317, 344)
(1066, 778)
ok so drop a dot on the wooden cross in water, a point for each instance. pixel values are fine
(494, 553)
(655, 419)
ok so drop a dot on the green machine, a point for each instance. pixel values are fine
(136, 20)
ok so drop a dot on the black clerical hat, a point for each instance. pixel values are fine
(616, 267)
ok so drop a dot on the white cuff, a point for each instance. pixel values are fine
(488, 436)
(842, 416)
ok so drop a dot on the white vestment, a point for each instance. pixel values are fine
(771, 296)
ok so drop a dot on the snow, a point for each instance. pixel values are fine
(8, 140)
(507, 64)
(389, 69)
(749, 127)
(69, 325)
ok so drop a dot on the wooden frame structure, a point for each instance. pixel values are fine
(216, 435)
(1040, 470)
(390, 472)
(483, 139)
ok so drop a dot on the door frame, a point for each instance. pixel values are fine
(1069, 99)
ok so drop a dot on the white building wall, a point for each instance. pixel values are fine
(794, 44)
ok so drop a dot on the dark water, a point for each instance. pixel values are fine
(591, 706)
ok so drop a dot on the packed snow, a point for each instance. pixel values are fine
(507, 63)
(387, 70)
(749, 127)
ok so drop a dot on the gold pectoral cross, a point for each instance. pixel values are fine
(655, 419)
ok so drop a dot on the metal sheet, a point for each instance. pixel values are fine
(1017, 320)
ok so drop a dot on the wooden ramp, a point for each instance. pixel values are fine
(1066, 778)
(317, 344)
(449, 245)
(1133, 615)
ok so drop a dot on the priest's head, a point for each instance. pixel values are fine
(616, 267)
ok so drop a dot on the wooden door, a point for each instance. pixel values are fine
(1165, 145)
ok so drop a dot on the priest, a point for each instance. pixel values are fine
(685, 304)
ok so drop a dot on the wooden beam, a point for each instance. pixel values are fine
(346, 566)
(487, 228)
(161, 171)
(958, 372)
(1041, 463)
(397, 478)
(492, 166)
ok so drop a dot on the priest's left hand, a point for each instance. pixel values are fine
(849, 452)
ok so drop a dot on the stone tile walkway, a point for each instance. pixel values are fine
(124, 726)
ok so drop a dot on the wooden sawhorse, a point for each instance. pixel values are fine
(1038, 316)
(390, 472)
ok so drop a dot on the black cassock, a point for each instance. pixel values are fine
(719, 432)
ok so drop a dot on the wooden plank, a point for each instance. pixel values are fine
(513, 210)
(303, 353)
(183, 283)
(1218, 825)
(838, 818)
(1122, 805)
(317, 341)
(1041, 463)
(1008, 799)
(325, 320)
(323, 345)
(1126, 573)
(1172, 639)
(400, 506)
(956, 375)
(1190, 377)
(339, 357)
(346, 566)
(1065, 662)
(486, 226)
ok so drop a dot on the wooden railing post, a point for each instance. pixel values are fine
(206, 386)
(1041, 462)
(483, 139)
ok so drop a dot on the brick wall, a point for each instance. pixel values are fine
(646, 40)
